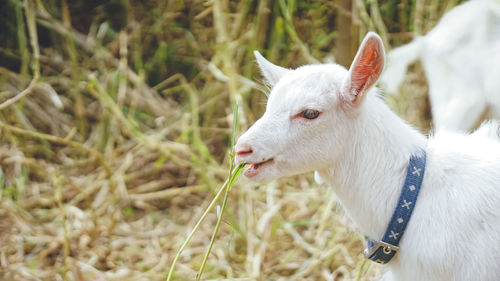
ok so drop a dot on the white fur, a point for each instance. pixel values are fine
(461, 60)
(362, 152)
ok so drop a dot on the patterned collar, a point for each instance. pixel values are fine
(384, 251)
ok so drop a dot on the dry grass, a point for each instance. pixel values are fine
(412, 103)
(109, 159)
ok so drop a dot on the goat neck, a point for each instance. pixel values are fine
(368, 177)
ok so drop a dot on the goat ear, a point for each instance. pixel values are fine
(365, 70)
(271, 72)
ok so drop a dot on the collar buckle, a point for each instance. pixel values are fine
(387, 249)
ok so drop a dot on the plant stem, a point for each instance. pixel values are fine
(361, 269)
(229, 181)
(219, 219)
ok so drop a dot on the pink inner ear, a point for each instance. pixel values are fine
(367, 67)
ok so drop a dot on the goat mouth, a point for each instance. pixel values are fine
(255, 168)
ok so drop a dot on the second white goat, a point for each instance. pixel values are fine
(327, 119)
(461, 60)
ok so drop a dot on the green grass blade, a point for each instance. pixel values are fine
(226, 186)
(232, 180)
(195, 228)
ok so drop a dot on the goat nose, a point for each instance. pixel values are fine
(243, 149)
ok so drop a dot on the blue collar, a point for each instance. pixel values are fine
(384, 251)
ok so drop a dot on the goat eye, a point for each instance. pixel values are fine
(310, 114)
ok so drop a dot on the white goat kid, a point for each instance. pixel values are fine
(461, 60)
(328, 119)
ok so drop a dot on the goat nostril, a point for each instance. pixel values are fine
(245, 150)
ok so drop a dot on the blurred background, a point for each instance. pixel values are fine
(115, 128)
